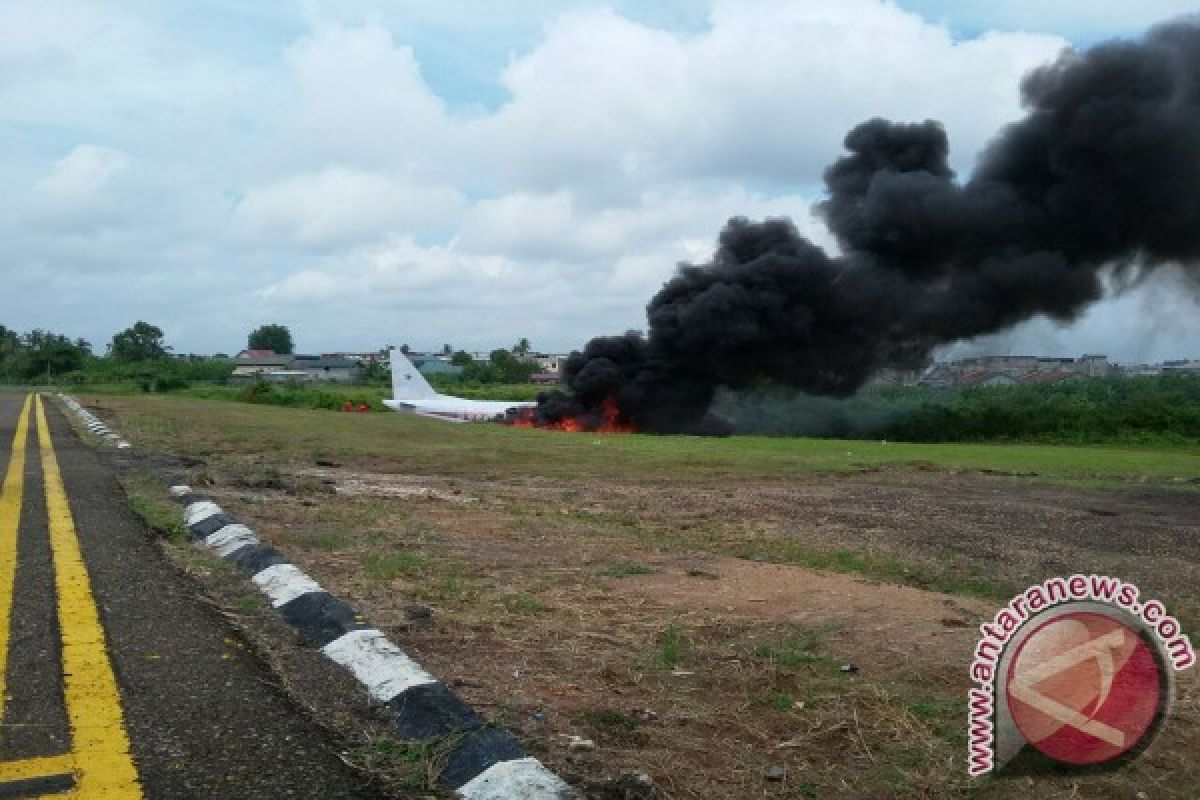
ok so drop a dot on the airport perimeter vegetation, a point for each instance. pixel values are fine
(1157, 411)
(197, 426)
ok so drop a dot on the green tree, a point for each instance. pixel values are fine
(43, 355)
(271, 337)
(142, 342)
(510, 369)
(522, 347)
(462, 359)
(10, 344)
(374, 374)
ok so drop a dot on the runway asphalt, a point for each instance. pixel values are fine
(118, 681)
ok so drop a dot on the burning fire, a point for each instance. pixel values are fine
(608, 420)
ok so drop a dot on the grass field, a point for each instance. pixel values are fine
(410, 443)
(688, 604)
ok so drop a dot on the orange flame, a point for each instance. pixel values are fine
(609, 421)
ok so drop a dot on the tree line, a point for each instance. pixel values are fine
(136, 355)
(139, 355)
(510, 366)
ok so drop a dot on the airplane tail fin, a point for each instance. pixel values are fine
(407, 381)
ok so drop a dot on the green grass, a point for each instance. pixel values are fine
(409, 764)
(384, 567)
(525, 604)
(415, 445)
(943, 716)
(884, 568)
(792, 652)
(452, 583)
(783, 702)
(383, 751)
(671, 648)
(149, 501)
(328, 541)
(248, 602)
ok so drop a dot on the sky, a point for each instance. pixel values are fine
(370, 172)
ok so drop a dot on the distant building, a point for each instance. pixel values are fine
(1094, 366)
(1182, 366)
(266, 365)
(985, 378)
(1055, 364)
(938, 376)
(285, 376)
(551, 363)
(328, 368)
(893, 376)
(985, 370)
(1010, 365)
(436, 366)
(368, 356)
(1047, 377)
(248, 367)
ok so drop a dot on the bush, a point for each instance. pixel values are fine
(1162, 409)
(329, 398)
(257, 392)
(169, 383)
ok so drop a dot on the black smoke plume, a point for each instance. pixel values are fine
(1102, 173)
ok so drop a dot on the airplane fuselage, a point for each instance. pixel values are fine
(454, 409)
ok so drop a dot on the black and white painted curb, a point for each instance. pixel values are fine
(484, 762)
(92, 423)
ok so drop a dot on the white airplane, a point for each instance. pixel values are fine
(412, 394)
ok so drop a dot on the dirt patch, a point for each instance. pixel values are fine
(366, 484)
(678, 631)
(875, 620)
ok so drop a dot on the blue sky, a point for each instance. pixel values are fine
(376, 172)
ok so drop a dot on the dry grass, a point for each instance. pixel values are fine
(660, 599)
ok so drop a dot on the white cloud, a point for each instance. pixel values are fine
(765, 95)
(357, 97)
(82, 173)
(338, 206)
(396, 268)
(558, 226)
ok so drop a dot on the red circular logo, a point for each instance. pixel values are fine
(1085, 688)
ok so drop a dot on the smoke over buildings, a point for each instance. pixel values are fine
(1101, 176)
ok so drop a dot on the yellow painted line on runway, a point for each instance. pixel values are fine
(99, 741)
(42, 767)
(10, 519)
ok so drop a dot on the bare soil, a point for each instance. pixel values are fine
(683, 631)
